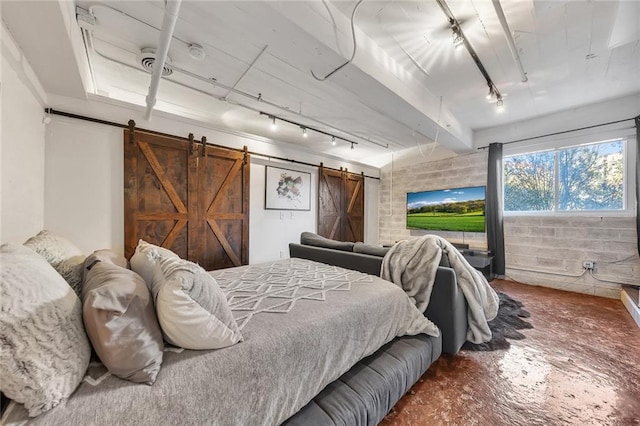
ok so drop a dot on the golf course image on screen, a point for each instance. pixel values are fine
(456, 209)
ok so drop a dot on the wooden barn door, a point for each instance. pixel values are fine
(223, 183)
(189, 198)
(157, 206)
(330, 204)
(340, 205)
(354, 208)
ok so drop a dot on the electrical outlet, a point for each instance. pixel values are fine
(589, 265)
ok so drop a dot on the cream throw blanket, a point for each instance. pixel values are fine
(412, 265)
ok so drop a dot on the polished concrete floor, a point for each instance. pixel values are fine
(579, 365)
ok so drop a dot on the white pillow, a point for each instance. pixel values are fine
(44, 351)
(62, 254)
(192, 309)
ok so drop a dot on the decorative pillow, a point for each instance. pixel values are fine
(369, 249)
(44, 351)
(192, 309)
(62, 254)
(145, 258)
(120, 319)
(311, 239)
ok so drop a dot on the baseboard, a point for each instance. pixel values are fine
(631, 306)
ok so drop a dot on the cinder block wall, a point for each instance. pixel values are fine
(540, 250)
(559, 245)
(464, 170)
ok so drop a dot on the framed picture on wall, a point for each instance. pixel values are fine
(287, 189)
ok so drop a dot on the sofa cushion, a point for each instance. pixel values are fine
(44, 351)
(311, 239)
(120, 318)
(62, 254)
(192, 309)
(369, 249)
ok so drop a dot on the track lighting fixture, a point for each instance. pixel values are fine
(458, 40)
(305, 129)
(491, 93)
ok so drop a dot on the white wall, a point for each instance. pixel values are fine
(22, 149)
(84, 180)
(84, 188)
(271, 231)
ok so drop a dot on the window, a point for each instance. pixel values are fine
(579, 178)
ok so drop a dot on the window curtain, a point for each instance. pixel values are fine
(637, 120)
(495, 231)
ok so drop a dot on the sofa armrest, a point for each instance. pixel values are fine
(448, 310)
(355, 261)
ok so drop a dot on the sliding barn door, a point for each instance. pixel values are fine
(223, 190)
(191, 199)
(340, 205)
(354, 207)
(157, 206)
(330, 204)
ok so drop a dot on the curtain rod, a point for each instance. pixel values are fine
(125, 126)
(562, 132)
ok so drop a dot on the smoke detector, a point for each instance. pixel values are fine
(147, 59)
(196, 51)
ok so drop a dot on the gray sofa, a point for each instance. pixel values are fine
(447, 307)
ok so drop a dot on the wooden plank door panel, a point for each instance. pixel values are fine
(340, 205)
(330, 204)
(354, 213)
(224, 207)
(156, 192)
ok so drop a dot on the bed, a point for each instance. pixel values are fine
(322, 345)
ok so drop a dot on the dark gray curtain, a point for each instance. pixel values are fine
(495, 231)
(637, 119)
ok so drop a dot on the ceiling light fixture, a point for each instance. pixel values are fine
(305, 129)
(500, 104)
(274, 126)
(458, 41)
(491, 93)
(457, 32)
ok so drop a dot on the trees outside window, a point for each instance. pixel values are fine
(580, 178)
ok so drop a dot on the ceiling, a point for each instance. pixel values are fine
(407, 85)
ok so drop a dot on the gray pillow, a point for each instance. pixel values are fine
(120, 318)
(369, 249)
(311, 239)
(62, 254)
(44, 351)
(192, 309)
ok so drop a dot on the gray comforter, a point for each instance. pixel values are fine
(304, 325)
(412, 265)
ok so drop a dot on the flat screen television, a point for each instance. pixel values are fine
(455, 209)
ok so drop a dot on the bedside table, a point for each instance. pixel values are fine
(480, 260)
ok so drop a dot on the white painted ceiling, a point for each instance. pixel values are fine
(407, 84)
